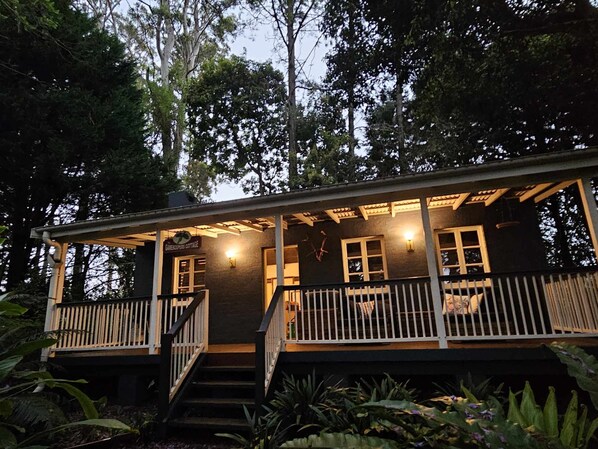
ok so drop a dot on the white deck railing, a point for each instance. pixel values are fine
(114, 324)
(474, 307)
(375, 312)
(98, 325)
(270, 342)
(184, 341)
(520, 306)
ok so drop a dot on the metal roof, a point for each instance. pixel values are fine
(524, 176)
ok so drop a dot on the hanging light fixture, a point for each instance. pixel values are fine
(507, 213)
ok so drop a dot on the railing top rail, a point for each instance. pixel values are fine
(547, 271)
(177, 295)
(271, 308)
(178, 325)
(459, 277)
(104, 301)
(356, 284)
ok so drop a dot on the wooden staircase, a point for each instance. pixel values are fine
(219, 389)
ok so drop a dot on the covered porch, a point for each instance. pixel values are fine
(412, 262)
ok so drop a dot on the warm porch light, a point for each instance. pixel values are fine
(409, 241)
(232, 260)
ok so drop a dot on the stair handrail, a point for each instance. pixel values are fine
(173, 370)
(264, 365)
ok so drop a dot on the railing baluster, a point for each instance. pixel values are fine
(420, 310)
(408, 312)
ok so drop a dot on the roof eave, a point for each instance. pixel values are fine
(550, 167)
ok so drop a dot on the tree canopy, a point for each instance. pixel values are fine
(72, 130)
(236, 117)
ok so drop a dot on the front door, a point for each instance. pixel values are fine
(291, 271)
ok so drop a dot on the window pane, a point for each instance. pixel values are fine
(199, 264)
(355, 266)
(447, 240)
(354, 249)
(376, 276)
(451, 271)
(356, 278)
(449, 257)
(200, 279)
(473, 255)
(375, 263)
(184, 266)
(183, 290)
(184, 280)
(470, 238)
(475, 269)
(374, 247)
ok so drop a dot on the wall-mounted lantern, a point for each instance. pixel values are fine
(232, 260)
(409, 242)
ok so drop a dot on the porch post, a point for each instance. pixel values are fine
(279, 242)
(589, 207)
(55, 291)
(433, 272)
(156, 291)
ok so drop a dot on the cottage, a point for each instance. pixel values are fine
(423, 269)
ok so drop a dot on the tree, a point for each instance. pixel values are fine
(291, 19)
(171, 38)
(347, 61)
(322, 137)
(236, 117)
(506, 79)
(69, 138)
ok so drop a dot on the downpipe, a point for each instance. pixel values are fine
(56, 259)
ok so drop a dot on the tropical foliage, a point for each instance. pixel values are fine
(30, 414)
(384, 413)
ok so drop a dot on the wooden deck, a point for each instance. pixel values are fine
(244, 348)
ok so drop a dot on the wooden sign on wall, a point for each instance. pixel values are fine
(181, 241)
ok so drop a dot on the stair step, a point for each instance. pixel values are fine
(235, 368)
(224, 384)
(218, 402)
(209, 423)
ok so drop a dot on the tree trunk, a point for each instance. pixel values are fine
(18, 255)
(351, 124)
(292, 85)
(79, 264)
(560, 239)
(399, 123)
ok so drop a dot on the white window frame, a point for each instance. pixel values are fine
(175, 280)
(461, 253)
(364, 256)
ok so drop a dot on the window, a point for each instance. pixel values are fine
(364, 259)
(189, 274)
(462, 251)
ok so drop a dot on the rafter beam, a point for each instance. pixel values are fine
(143, 237)
(333, 216)
(363, 212)
(270, 220)
(552, 191)
(461, 200)
(107, 243)
(223, 228)
(123, 241)
(534, 191)
(304, 219)
(252, 226)
(391, 208)
(198, 231)
(496, 195)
